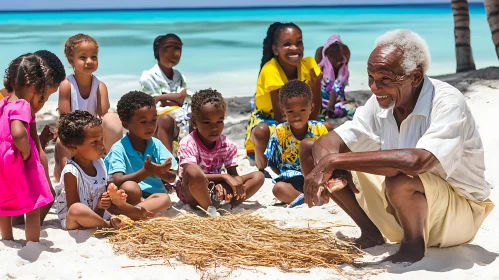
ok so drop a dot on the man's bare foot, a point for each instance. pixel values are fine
(367, 241)
(409, 252)
(118, 197)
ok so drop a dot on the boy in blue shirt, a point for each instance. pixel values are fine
(139, 164)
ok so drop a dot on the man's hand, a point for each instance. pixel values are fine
(104, 201)
(237, 185)
(157, 169)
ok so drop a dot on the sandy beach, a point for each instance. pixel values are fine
(79, 255)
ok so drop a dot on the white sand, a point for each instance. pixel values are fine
(79, 255)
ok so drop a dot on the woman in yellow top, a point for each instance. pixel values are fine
(282, 61)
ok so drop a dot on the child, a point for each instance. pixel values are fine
(81, 193)
(139, 163)
(55, 75)
(282, 151)
(82, 197)
(83, 91)
(169, 89)
(334, 57)
(23, 183)
(203, 153)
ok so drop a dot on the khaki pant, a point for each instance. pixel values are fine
(453, 219)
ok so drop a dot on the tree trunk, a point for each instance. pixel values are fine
(464, 55)
(492, 10)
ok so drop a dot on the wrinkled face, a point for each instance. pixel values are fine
(169, 52)
(84, 58)
(289, 46)
(334, 55)
(297, 110)
(387, 79)
(92, 147)
(209, 123)
(143, 122)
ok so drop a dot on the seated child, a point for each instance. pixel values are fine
(83, 91)
(81, 194)
(203, 153)
(282, 152)
(168, 87)
(140, 163)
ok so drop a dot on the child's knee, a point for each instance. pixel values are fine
(133, 191)
(162, 199)
(261, 132)
(77, 209)
(166, 122)
(258, 178)
(193, 173)
(279, 188)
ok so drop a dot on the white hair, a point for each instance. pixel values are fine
(415, 51)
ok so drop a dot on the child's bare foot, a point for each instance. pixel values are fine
(116, 223)
(118, 197)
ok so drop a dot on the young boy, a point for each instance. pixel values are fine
(282, 152)
(139, 163)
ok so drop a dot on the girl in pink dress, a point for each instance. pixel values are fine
(23, 185)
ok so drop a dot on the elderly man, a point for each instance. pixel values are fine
(415, 156)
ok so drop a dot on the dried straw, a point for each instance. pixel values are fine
(231, 241)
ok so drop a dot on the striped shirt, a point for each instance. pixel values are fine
(441, 123)
(192, 151)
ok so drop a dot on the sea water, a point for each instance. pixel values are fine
(223, 48)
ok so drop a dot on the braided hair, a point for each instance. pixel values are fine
(28, 70)
(271, 39)
(159, 40)
(55, 64)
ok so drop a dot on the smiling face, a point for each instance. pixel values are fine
(92, 147)
(143, 123)
(288, 47)
(209, 123)
(387, 78)
(84, 58)
(297, 110)
(169, 53)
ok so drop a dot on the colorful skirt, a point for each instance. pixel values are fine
(256, 118)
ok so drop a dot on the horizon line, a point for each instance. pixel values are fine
(240, 8)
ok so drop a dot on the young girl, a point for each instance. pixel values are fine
(55, 75)
(282, 61)
(283, 149)
(169, 89)
(203, 153)
(23, 183)
(334, 57)
(83, 194)
(83, 91)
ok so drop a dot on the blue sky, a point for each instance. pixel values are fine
(134, 4)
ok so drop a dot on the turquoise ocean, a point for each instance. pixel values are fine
(223, 48)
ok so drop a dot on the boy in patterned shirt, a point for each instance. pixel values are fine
(202, 154)
(282, 151)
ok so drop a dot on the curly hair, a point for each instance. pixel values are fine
(131, 102)
(273, 33)
(55, 64)
(159, 40)
(207, 96)
(295, 88)
(73, 41)
(28, 70)
(71, 127)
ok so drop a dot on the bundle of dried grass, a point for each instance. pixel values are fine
(231, 241)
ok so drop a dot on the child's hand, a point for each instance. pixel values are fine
(157, 169)
(237, 185)
(314, 79)
(104, 201)
(48, 134)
